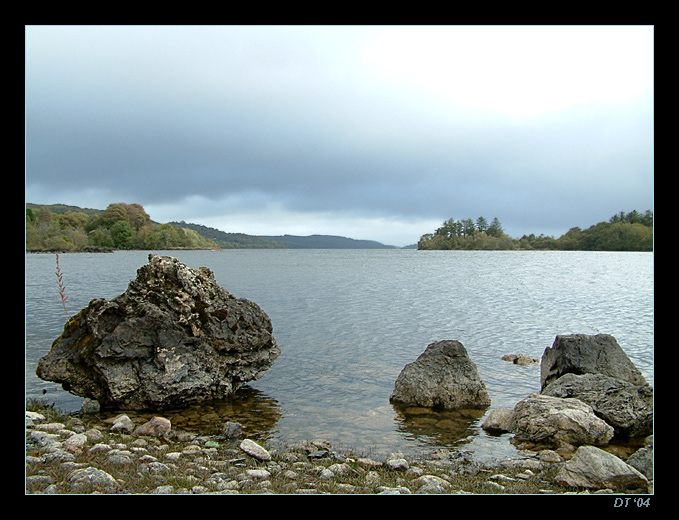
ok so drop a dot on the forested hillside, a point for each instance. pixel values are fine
(631, 231)
(119, 226)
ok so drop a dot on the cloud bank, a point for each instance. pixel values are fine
(371, 132)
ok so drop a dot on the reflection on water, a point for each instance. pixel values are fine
(437, 428)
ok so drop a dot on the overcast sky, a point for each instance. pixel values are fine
(369, 132)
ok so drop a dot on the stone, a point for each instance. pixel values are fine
(553, 420)
(90, 478)
(76, 440)
(122, 423)
(232, 430)
(585, 354)
(155, 427)
(257, 474)
(499, 420)
(90, 406)
(593, 468)
(444, 377)
(174, 338)
(520, 359)
(397, 464)
(254, 450)
(625, 406)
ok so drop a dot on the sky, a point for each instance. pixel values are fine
(369, 132)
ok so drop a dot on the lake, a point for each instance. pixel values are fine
(348, 321)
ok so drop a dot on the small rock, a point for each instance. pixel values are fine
(89, 406)
(257, 474)
(254, 450)
(92, 478)
(94, 435)
(122, 423)
(76, 440)
(397, 464)
(232, 430)
(156, 427)
(499, 420)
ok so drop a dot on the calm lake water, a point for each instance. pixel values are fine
(348, 321)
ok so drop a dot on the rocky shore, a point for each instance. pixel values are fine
(77, 454)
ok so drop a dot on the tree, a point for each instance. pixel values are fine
(468, 228)
(495, 228)
(481, 225)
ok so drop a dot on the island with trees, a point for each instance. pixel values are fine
(631, 231)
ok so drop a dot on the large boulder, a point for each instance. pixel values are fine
(442, 377)
(623, 405)
(587, 354)
(556, 421)
(172, 339)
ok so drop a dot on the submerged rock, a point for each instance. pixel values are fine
(172, 339)
(443, 376)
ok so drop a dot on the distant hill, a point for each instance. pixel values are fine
(231, 240)
(326, 242)
(64, 208)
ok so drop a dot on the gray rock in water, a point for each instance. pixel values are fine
(585, 354)
(553, 420)
(173, 339)
(443, 377)
(499, 420)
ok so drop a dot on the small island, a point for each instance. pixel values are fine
(631, 231)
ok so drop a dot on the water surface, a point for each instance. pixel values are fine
(347, 322)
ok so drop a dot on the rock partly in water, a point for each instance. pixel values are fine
(172, 339)
(156, 427)
(642, 459)
(625, 406)
(587, 354)
(499, 420)
(443, 376)
(520, 359)
(555, 421)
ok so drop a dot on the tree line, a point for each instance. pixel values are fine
(119, 226)
(631, 231)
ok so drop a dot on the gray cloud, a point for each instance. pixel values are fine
(305, 120)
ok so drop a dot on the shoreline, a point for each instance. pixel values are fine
(74, 454)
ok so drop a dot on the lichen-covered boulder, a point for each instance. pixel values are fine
(172, 339)
(444, 377)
